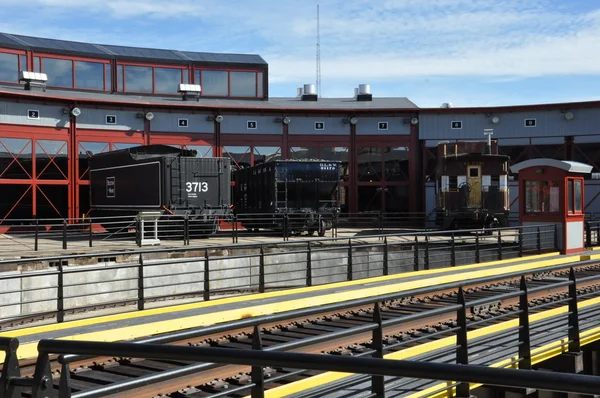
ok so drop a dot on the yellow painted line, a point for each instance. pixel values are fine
(537, 355)
(28, 350)
(237, 299)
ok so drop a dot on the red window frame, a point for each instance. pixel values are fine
(104, 62)
(571, 183)
(122, 85)
(18, 53)
(229, 70)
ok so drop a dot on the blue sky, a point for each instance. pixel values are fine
(468, 52)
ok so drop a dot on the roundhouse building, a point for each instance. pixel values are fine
(104, 97)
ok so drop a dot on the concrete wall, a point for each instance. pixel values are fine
(36, 291)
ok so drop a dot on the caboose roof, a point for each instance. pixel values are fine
(567, 165)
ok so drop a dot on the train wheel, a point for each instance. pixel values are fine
(322, 228)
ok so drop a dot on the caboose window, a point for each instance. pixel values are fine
(541, 196)
(495, 181)
(453, 183)
(474, 172)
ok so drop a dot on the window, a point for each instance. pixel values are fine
(575, 195)
(59, 71)
(541, 196)
(138, 79)
(215, 82)
(166, 80)
(243, 84)
(474, 172)
(453, 183)
(9, 67)
(89, 75)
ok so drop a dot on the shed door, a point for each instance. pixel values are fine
(474, 181)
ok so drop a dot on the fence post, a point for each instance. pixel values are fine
(42, 377)
(138, 231)
(10, 369)
(588, 235)
(186, 230)
(499, 244)
(64, 235)
(309, 264)
(555, 236)
(60, 294)
(520, 241)
(91, 233)
(206, 276)
(426, 260)
(380, 223)
(350, 270)
(524, 336)
(462, 348)
(36, 235)
(234, 227)
(416, 264)
(261, 270)
(256, 373)
(140, 301)
(286, 225)
(377, 381)
(477, 249)
(574, 343)
(453, 250)
(386, 270)
(539, 241)
(64, 385)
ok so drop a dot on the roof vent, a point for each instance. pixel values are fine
(33, 80)
(189, 91)
(310, 93)
(364, 93)
(355, 92)
(299, 92)
(447, 105)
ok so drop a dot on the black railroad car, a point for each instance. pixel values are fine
(304, 190)
(160, 178)
(471, 185)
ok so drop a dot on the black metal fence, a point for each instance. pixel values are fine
(73, 284)
(473, 356)
(80, 233)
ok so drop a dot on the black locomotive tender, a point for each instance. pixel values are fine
(295, 195)
(471, 181)
(161, 178)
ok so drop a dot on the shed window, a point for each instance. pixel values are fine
(243, 84)
(541, 196)
(166, 80)
(453, 183)
(59, 71)
(89, 75)
(138, 79)
(9, 67)
(215, 82)
(575, 195)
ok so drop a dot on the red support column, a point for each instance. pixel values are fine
(353, 162)
(72, 153)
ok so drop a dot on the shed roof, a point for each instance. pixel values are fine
(567, 165)
(124, 52)
(174, 101)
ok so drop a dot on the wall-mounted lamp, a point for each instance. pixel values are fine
(286, 120)
(219, 118)
(73, 111)
(149, 116)
(414, 121)
(495, 120)
(569, 115)
(351, 120)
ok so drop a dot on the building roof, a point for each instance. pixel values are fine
(272, 104)
(123, 52)
(567, 165)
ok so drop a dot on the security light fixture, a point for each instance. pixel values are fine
(353, 120)
(33, 80)
(414, 121)
(149, 116)
(569, 115)
(286, 120)
(495, 120)
(219, 118)
(75, 111)
(189, 91)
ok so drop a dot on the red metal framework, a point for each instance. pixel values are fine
(21, 58)
(36, 174)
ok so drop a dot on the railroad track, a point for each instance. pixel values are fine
(227, 381)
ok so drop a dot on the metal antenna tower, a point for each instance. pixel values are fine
(318, 54)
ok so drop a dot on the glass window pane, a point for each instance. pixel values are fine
(119, 77)
(108, 70)
(51, 160)
(89, 75)
(197, 78)
(202, 151)
(23, 62)
(15, 158)
(369, 164)
(167, 80)
(59, 71)
(298, 152)
(243, 84)
(259, 79)
(123, 145)
(570, 195)
(264, 154)
(9, 67)
(337, 153)
(36, 64)
(86, 151)
(239, 155)
(578, 196)
(138, 79)
(186, 77)
(214, 82)
(396, 163)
